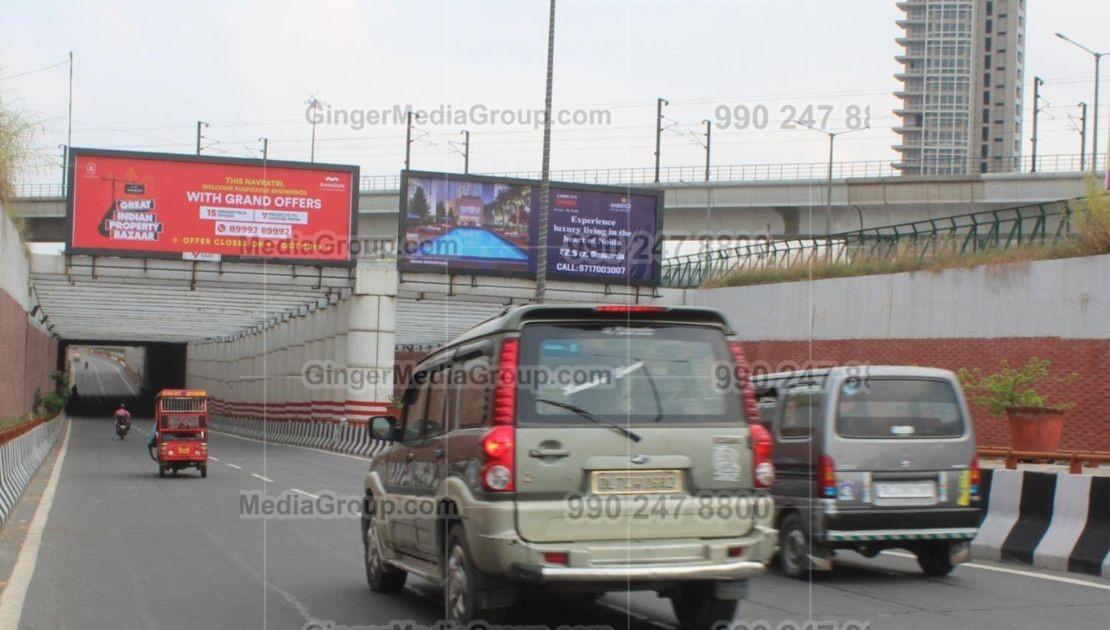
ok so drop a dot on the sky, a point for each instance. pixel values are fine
(146, 72)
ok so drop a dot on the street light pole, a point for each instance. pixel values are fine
(545, 172)
(1094, 125)
(408, 138)
(466, 152)
(313, 105)
(658, 131)
(1037, 83)
(1082, 136)
(828, 183)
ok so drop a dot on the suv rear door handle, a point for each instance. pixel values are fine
(548, 452)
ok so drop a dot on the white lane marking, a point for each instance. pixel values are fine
(307, 494)
(258, 476)
(123, 377)
(306, 448)
(1022, 572)
(11, 600)
(213, 458)
(233, 466)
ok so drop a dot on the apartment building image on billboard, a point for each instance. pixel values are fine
(963, 68)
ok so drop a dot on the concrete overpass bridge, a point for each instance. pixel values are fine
(783, 200)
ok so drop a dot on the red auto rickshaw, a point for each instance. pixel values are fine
(181, 421)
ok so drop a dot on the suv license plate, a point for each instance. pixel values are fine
(635, 481)
(918, 490)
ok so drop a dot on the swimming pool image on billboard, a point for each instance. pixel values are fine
(471, 242)
(467, 225)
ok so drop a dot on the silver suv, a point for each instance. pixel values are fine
(579, 448)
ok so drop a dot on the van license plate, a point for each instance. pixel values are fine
(918, 490)
(635, 481)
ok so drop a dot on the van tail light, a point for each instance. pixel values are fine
(976, 475)
(499, 443)
(498, 448)
(826, 476)
(763, 467)
(761, 456)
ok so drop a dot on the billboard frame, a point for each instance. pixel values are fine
(402, 215)
(74, 152)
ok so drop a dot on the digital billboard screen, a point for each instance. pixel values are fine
(210, 208)
(480, 225)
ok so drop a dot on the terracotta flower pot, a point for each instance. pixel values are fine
(1037, 429)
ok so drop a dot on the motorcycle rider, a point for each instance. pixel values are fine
(123, 416)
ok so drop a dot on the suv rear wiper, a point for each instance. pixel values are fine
(635, 437)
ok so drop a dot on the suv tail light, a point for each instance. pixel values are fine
(498, 446)
(629, 308)
(499, 443)
(976, 475)
(826, 476)
(763, 468)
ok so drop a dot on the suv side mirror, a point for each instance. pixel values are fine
(383, 428)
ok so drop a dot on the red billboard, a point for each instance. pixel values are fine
(210, 208)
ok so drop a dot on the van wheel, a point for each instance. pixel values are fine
(381, 577)
(162, 471)
(795, 547)
(461, 585)
(935, 559)
(698, 608)
(203, 471)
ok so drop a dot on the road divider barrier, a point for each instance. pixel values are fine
(1052, 521)
(20, 457)
(298, 424)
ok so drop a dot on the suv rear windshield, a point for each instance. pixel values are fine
(898, 409)
(626, 373)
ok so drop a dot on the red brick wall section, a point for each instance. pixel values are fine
(1086, 426)
(27, 357)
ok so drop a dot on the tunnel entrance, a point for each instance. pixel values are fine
(107, 373)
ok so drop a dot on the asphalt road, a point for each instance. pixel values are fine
(124, 549)
(104, 377)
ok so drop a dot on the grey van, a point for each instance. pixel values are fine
(869, 458)
(582, 448)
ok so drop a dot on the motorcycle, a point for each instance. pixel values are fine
(122, 427)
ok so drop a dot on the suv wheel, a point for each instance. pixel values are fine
(935, 559)
(698, 608)
(794, 547)
(381, 577)
(461, 585)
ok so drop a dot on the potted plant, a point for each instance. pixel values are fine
(1036, 424)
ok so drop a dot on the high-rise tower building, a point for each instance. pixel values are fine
(961, 86)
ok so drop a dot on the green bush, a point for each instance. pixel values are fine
(1013, 387)
(36, 405)
(53, 403)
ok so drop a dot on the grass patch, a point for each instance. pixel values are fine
(9, 422)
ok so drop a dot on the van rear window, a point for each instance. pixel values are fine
(890, 408)
(634, 373)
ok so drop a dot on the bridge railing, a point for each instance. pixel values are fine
(725, 173)
(924, 239)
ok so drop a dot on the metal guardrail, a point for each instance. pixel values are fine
(693, 175)
(927, 238)
(20, 457)
(1075, 459)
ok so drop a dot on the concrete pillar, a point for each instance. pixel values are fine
(370, 337)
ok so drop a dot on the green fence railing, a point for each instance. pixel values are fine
(928, 238)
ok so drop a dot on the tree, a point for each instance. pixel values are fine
(418, 204)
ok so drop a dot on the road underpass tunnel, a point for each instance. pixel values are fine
(109, 373)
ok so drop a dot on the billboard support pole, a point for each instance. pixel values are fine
(708, 145)
(545, 176)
